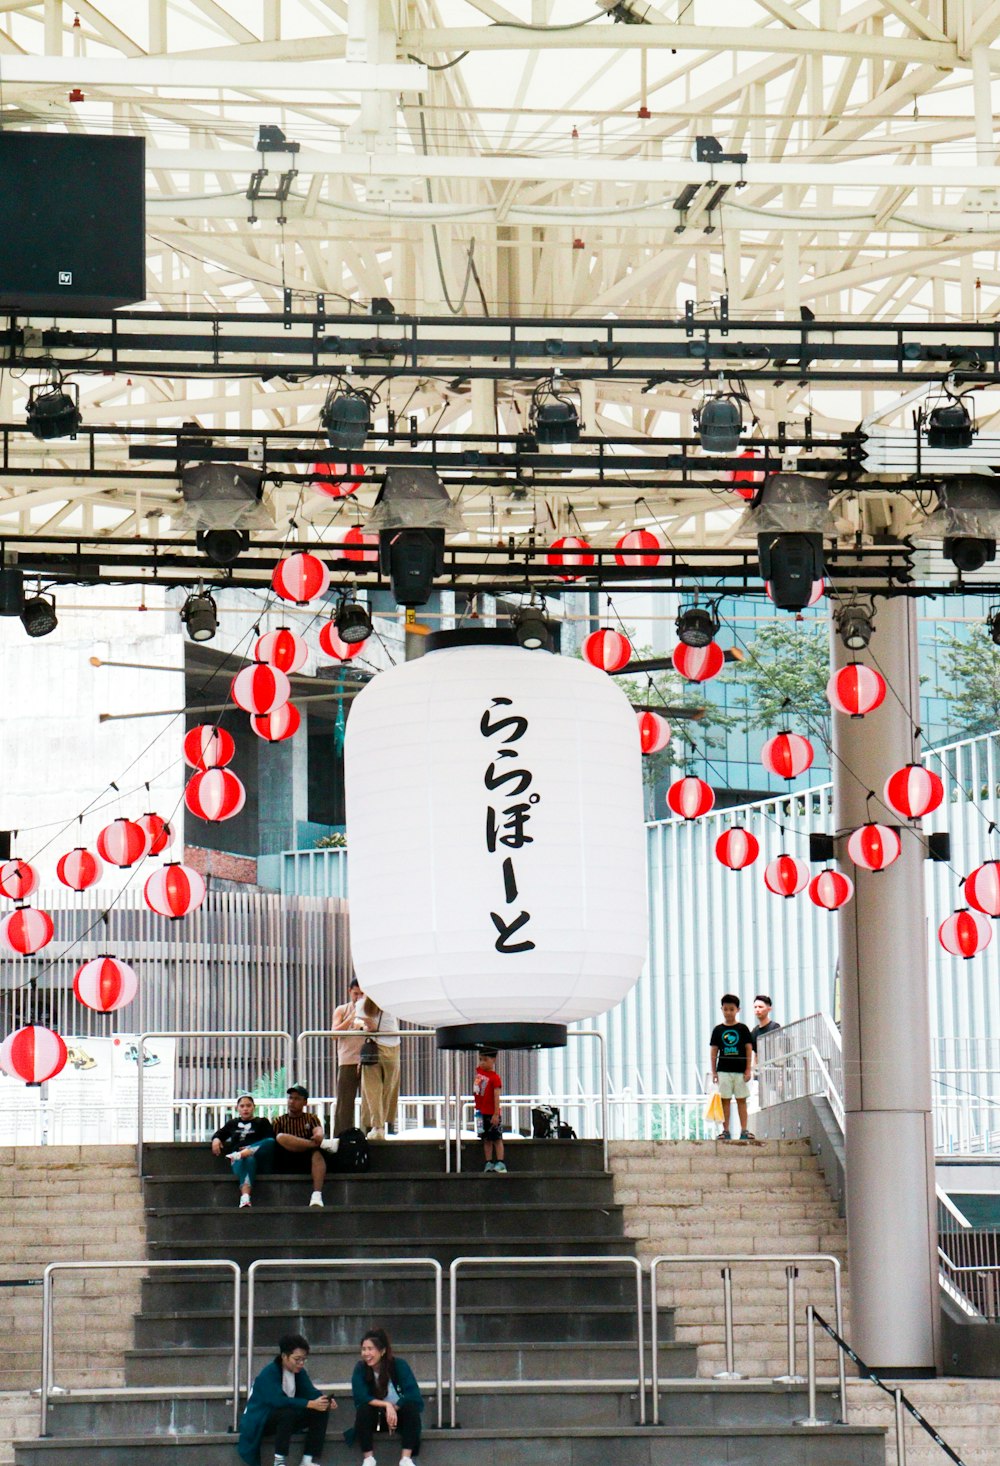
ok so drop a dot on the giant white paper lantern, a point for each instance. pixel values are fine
(520, 904)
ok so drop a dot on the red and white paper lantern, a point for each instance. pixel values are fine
(874, 847)
(175, 890)
(282, 723)
(913, 791)
(570, 552)
(333, 644)
(33, 1054)
(698, 663)
(122, 843)
(158, 830)
(787, 755)
(654, 732)
(831, 889)
(79, 869)
(26, 930)
(737, 848)
(815, 594)
(337, 480)
(856, 690)
(690, 797)
(208, 747)
(283, 649)
(786, 876)
(17, 879)
(606, 650)
(637, 548)
(105, 984)
(982, 888)
(359, 546)
(300, 578)
(260, 688)
(965, 934)
(215, 795)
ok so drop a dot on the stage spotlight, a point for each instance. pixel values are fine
(855, 623)
(532, 628)
(38, 615)
(789, 517)
(949, 426)
(556, 422)
(411, 515)
(222, 546)
(720, 423)
(11, 590)
(353, 621)
(346, 419)
(53, 410)
(697, 625)
(967, 520)
(200, 616)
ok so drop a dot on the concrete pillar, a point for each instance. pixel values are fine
(891, 1214)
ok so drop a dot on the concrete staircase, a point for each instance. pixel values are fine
(517, 1328)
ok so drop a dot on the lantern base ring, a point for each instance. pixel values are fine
(502, 1036)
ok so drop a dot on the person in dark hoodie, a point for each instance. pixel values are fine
(239, 1140)
(386, 1394)
(282, 1402)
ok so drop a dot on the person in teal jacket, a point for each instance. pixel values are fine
(284, 1400)
(384, 1390)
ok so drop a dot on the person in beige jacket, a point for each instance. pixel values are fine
(349, 1028)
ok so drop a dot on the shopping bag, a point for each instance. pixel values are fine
(714, 1111)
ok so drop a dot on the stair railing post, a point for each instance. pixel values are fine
(43, 1413)
(727, 1303)
(841, 1359)
(811, 1419)
(654, 1340)
(792, 1377)
(236, 1347)
(900, 1428)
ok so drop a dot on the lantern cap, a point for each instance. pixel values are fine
(440, 641)
(475, 1037)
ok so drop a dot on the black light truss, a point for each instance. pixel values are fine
(302, 344)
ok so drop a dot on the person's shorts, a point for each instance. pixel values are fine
(733, 1086)
(485, 1128)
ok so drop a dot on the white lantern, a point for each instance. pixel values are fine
(497, 872)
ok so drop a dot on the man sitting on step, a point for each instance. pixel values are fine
(283, 1402)
(299, 1134)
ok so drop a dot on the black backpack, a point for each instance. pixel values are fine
(544, 1122)
(353, 1152)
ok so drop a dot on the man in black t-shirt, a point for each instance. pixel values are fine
(731, 1049)
(765, 1023)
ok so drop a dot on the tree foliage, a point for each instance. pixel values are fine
(782, 679)
(971, 664)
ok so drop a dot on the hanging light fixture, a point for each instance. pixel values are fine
(855, 623)
(346, 418)
(553, 418)
(531, 627)
(38, 614)
(949, 423)
(967, 520)
(353, 621)
(53, 409)
(412, 514)
(698, 625)
(789, 518)
(200, 616)
(719, 422)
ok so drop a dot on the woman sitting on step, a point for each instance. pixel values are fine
(239, 1139)
(386, 1397)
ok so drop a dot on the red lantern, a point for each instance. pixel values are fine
(260, 688)
(743, 480)
(174, 890)
(787, 755)
(300, 578)
(122, 843)
(856, 690)
(698, 663)
(569, 551)
(26, 930)
(105, 984)
(982, 888)
(208, 747)
(690, 797)
(815, 595)
(637, 548)
(33, 1054)
(359, 546)
(831, 889)
(913, 791)
(654, 732)
(282, 723)
(786, 876)
(609, 651)
(737, 848)
(79, 869)
(965, 933)
(160, 833)
(282, 649)
(17, 879)
(337, 480)
(335, 646)
(873, 847)
(215, 795)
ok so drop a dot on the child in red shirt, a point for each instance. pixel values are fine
(487, 1094)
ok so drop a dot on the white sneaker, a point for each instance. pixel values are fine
(316, 1199)
(377, 1134)
(368, 1461)
(244, 1200)
(332, 1146)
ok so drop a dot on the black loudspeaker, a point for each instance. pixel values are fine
(72, 222)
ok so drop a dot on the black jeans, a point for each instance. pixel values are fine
(407, 1428)
(288, 1419)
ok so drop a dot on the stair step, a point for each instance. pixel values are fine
(379, 1188)
(426, 1156)
(444, 1248)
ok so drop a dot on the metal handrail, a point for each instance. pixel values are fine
(198, 1033)
(47, 1385)
(726, 1261)
(587, 1260)
(276, 1264)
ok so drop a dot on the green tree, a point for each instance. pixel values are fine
(783, 677)
(971, 665)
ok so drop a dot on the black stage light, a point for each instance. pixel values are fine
(346, 419)
(353, 622)
(532, 628)
(720, 423)
(222, 546)
(789, 518)
(556, 421)
(949, 426)
(38, 615)
(967, 553)
(200, 615)
(53, 410)
(412, 514)
(697, 625)
(791, 563)
(993, 625)
(11, 590)
(855, 624)
(412, 557)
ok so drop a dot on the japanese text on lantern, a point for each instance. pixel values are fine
(508, 817)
